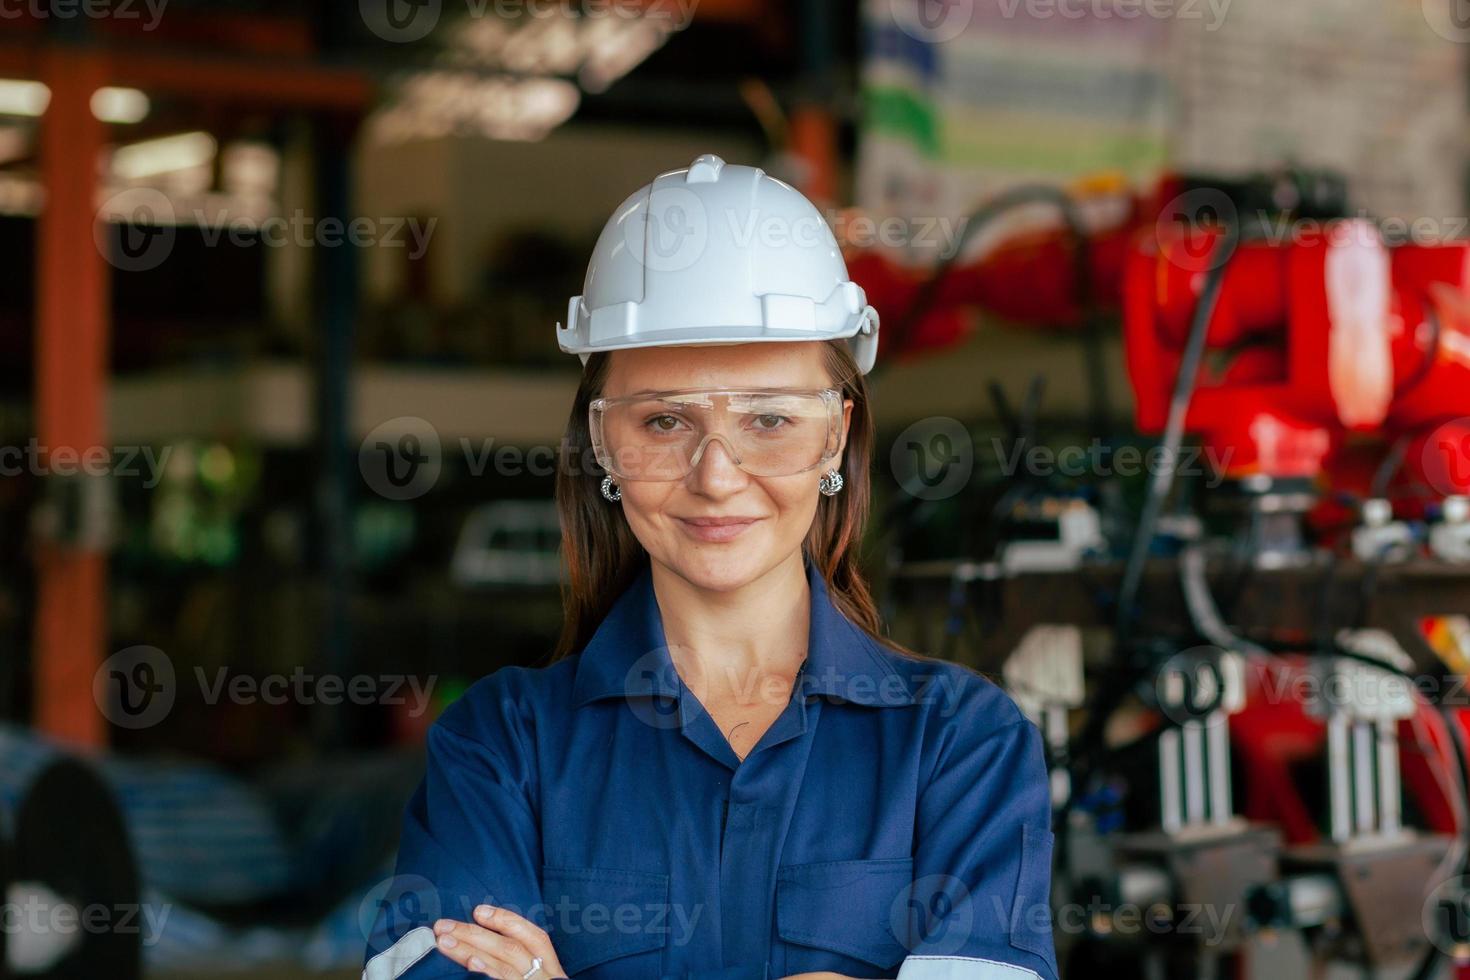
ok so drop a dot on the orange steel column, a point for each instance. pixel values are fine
(71, 375)
(812, 136)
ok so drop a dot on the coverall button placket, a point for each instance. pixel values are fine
(763, 792)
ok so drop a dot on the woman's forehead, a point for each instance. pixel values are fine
(784, 364)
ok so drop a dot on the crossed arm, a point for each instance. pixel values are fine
(498, 939)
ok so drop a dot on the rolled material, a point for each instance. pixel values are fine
(70, 883)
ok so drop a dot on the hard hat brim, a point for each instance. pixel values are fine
(861, 333)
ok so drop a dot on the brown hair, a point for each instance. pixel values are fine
(603, 556)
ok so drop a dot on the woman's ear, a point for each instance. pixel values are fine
(846, 424)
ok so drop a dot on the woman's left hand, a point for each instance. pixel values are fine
(498, 943)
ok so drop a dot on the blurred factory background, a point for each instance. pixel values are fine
(1174, 407)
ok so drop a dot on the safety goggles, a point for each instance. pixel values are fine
(662, 435)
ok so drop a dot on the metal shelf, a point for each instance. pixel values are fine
(272, 403)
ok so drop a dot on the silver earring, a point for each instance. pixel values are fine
(611, 490)
(830, 483)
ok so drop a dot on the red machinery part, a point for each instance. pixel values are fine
(1321, 333)
(1273, 735)
(1029, 278)
(1323, 337)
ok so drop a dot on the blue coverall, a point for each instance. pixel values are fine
(893, 821)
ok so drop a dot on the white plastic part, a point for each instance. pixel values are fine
(1045, 669)
(1358, 277)
(1079, 532)
(1380, 538)
(1360, 691)
(717, 253)
(1449, 540)
(37, 950)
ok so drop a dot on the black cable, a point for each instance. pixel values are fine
(1389, 467)
(1184, 384)
(1335, 649)
(1096, 368)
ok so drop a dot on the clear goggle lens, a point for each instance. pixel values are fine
(767, 432)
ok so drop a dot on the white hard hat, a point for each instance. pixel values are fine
(717, 254)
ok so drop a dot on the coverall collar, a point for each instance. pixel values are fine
(627, 656)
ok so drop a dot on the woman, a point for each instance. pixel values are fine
(727, 773)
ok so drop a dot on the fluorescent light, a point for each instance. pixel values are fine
(23, 98)
(19, 97)
(119, 105)
(436, 104)
(164, 155)
(616, 48)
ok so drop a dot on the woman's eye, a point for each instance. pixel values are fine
(663, 423)
(769, 422)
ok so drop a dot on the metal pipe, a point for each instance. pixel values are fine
(1338, 776)
(1389, 805)
(1364, 762)
(1169, 779)
(1194, 771)
(1222, 807)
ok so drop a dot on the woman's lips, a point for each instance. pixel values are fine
(716, 528)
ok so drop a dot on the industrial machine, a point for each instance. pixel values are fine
(1266, 730)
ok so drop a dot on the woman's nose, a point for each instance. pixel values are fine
(715, 465)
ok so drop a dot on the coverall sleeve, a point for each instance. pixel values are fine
(980, 904)
(469, 837)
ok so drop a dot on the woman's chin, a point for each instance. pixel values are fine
(720, 570)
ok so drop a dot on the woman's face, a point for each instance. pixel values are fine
(780, 509)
